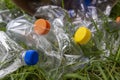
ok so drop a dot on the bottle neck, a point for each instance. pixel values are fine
(22, 55)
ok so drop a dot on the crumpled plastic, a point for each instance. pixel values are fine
(95, 8)
(83, 15)
(5, 16)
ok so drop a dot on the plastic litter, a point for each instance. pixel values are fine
(22, 30)
(65, 54)
(13, 56)
(5, 16)
(50, 34)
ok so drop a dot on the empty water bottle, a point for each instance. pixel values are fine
(91, 9)
(21, 30)
(13, 56)
(108, 32)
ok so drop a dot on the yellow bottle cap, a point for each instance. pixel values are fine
(82, 35)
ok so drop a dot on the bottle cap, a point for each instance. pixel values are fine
(87, 3)
(31, 57)
(118, 20)
(41, 26)
(82, 35)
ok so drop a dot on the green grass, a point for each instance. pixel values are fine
(96, 69)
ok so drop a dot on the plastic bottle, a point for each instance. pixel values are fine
(104, 37)
(86, 34)
(13, 56)
(21, 30)
(91, 9)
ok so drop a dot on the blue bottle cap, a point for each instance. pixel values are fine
(31, 57)
(87, 2)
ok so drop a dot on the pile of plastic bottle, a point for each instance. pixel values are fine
(60, 40)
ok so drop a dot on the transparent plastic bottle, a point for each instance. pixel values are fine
(111, 32)
(13, 56)
(33, 35)
(21, 30)
(104, 37)
(87, 10)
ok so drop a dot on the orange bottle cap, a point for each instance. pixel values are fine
(41, 26)
(118, 20)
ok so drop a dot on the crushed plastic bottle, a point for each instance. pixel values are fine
(71, 52)
(13, 56)
(86, 35)
(22, 30)
(108, 32)
(88, 10)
